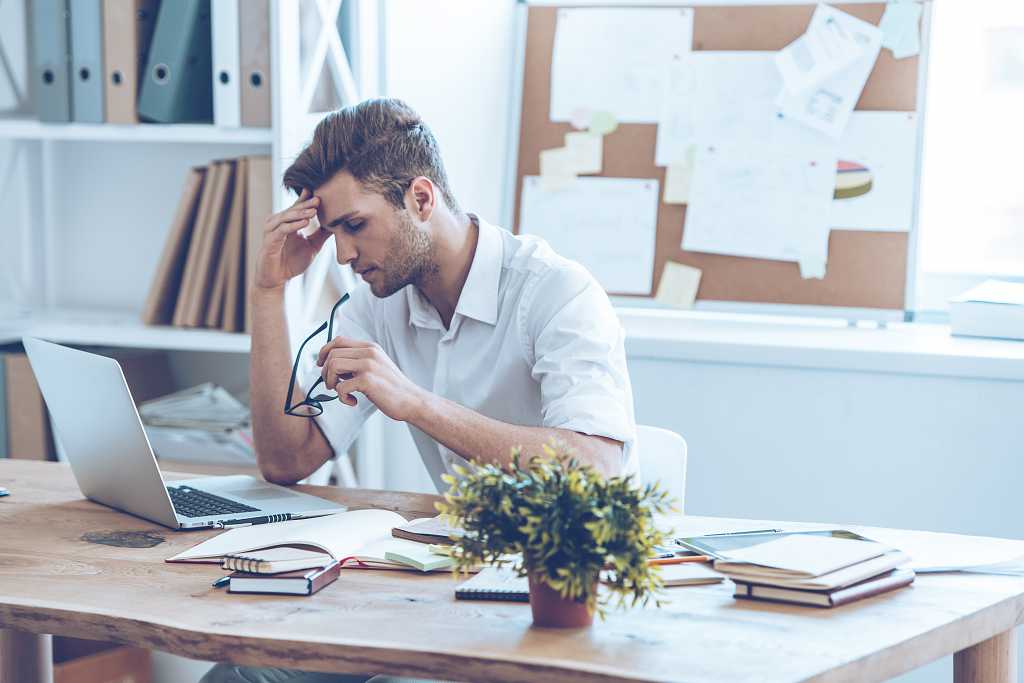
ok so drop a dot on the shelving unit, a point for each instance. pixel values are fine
(15, 129)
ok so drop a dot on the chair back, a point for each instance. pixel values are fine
(663, 459)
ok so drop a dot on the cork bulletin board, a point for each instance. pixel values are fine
(865, 269)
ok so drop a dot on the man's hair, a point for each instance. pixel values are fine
(382, 143)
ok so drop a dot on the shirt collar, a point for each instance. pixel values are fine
(479, 297)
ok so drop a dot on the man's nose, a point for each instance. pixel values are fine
(345, 250)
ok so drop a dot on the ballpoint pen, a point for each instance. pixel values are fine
(269, 519)
(742, 533)
(222, 581)
(679, 559)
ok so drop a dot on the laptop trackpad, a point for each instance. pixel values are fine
(261, 492)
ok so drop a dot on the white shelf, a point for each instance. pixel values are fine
(105, 328)
(143, 132)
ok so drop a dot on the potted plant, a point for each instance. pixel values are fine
(567, 526)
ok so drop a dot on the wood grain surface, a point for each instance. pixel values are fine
(53, 581)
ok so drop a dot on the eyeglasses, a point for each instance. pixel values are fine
(312, 405)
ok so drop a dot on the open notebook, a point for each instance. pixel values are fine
(361, 538)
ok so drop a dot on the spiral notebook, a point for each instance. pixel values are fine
(495, 583)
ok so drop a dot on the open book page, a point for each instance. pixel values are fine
(341, 535)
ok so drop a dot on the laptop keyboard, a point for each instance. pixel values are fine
(189, 502)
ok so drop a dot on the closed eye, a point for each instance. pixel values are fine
(353, 226)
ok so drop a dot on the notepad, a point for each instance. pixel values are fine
(495, 583)
(799, 556)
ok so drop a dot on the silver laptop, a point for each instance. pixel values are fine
(105, 444)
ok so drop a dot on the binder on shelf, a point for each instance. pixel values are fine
(230, 253)
(225, 45)
(86, 21)
(259, 204)
(128, 29)
(163, 293)
(209, 243)
(50, 60)
(177, 86)
(234, 246)
(254, 58)
(213, 172)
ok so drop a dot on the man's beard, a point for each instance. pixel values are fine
(408, 260)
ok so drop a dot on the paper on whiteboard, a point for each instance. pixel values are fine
(899, 26)
(678, 111)
(614, 59)
(823, 50)
(875, 183)
(827, 107)
(606, 224)
(761, 202)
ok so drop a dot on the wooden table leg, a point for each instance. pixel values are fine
(25, 657)
(990, 661)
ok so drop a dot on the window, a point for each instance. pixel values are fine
(972, 194)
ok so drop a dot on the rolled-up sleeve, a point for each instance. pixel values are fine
(579, 358)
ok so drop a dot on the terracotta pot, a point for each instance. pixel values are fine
(551, 610)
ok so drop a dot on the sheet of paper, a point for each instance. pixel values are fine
(613, 59)
(877, 164)
(734, 101)
(677, 180)
(824, 49)
(676, 121)
(678, 286)
(827, 107)
(899, 26)
(557, 169)
(761, 201)
(606, 224)
(586, 150)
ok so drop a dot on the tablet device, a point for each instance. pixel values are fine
(714, 545)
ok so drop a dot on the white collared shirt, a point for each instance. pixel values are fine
(534, 342)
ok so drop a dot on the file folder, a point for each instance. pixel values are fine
(226, 91)
(86, 20)
(178, 86)
(254, 55)
(50, 60)
(128, 29)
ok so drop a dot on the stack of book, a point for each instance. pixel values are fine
(209, 258)
(814, 570)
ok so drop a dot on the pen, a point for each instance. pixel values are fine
(752, 531)
(269, 519)
(679, 560)
(221, 582)
(4, 492)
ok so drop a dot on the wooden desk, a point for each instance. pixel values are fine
(54, 581)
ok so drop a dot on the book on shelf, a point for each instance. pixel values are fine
(298, 582)
(204, 272)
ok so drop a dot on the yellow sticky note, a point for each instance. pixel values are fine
(586, 150)
(557, 168)
(678, 286)
(677, 179)
(603, 122)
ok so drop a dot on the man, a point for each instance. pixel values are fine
(478, 339)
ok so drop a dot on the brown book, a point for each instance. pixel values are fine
(254, 61)
(298, 582)
(127, 27)
(259, 203)
(234, 245)
(163, 292)
(188, 277)
(28, 426)
(889, 581)
(431, 530)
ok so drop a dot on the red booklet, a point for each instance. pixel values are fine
(298, 582)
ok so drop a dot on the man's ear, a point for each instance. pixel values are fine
(421, 198)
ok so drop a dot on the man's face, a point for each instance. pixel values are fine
(383, 244)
